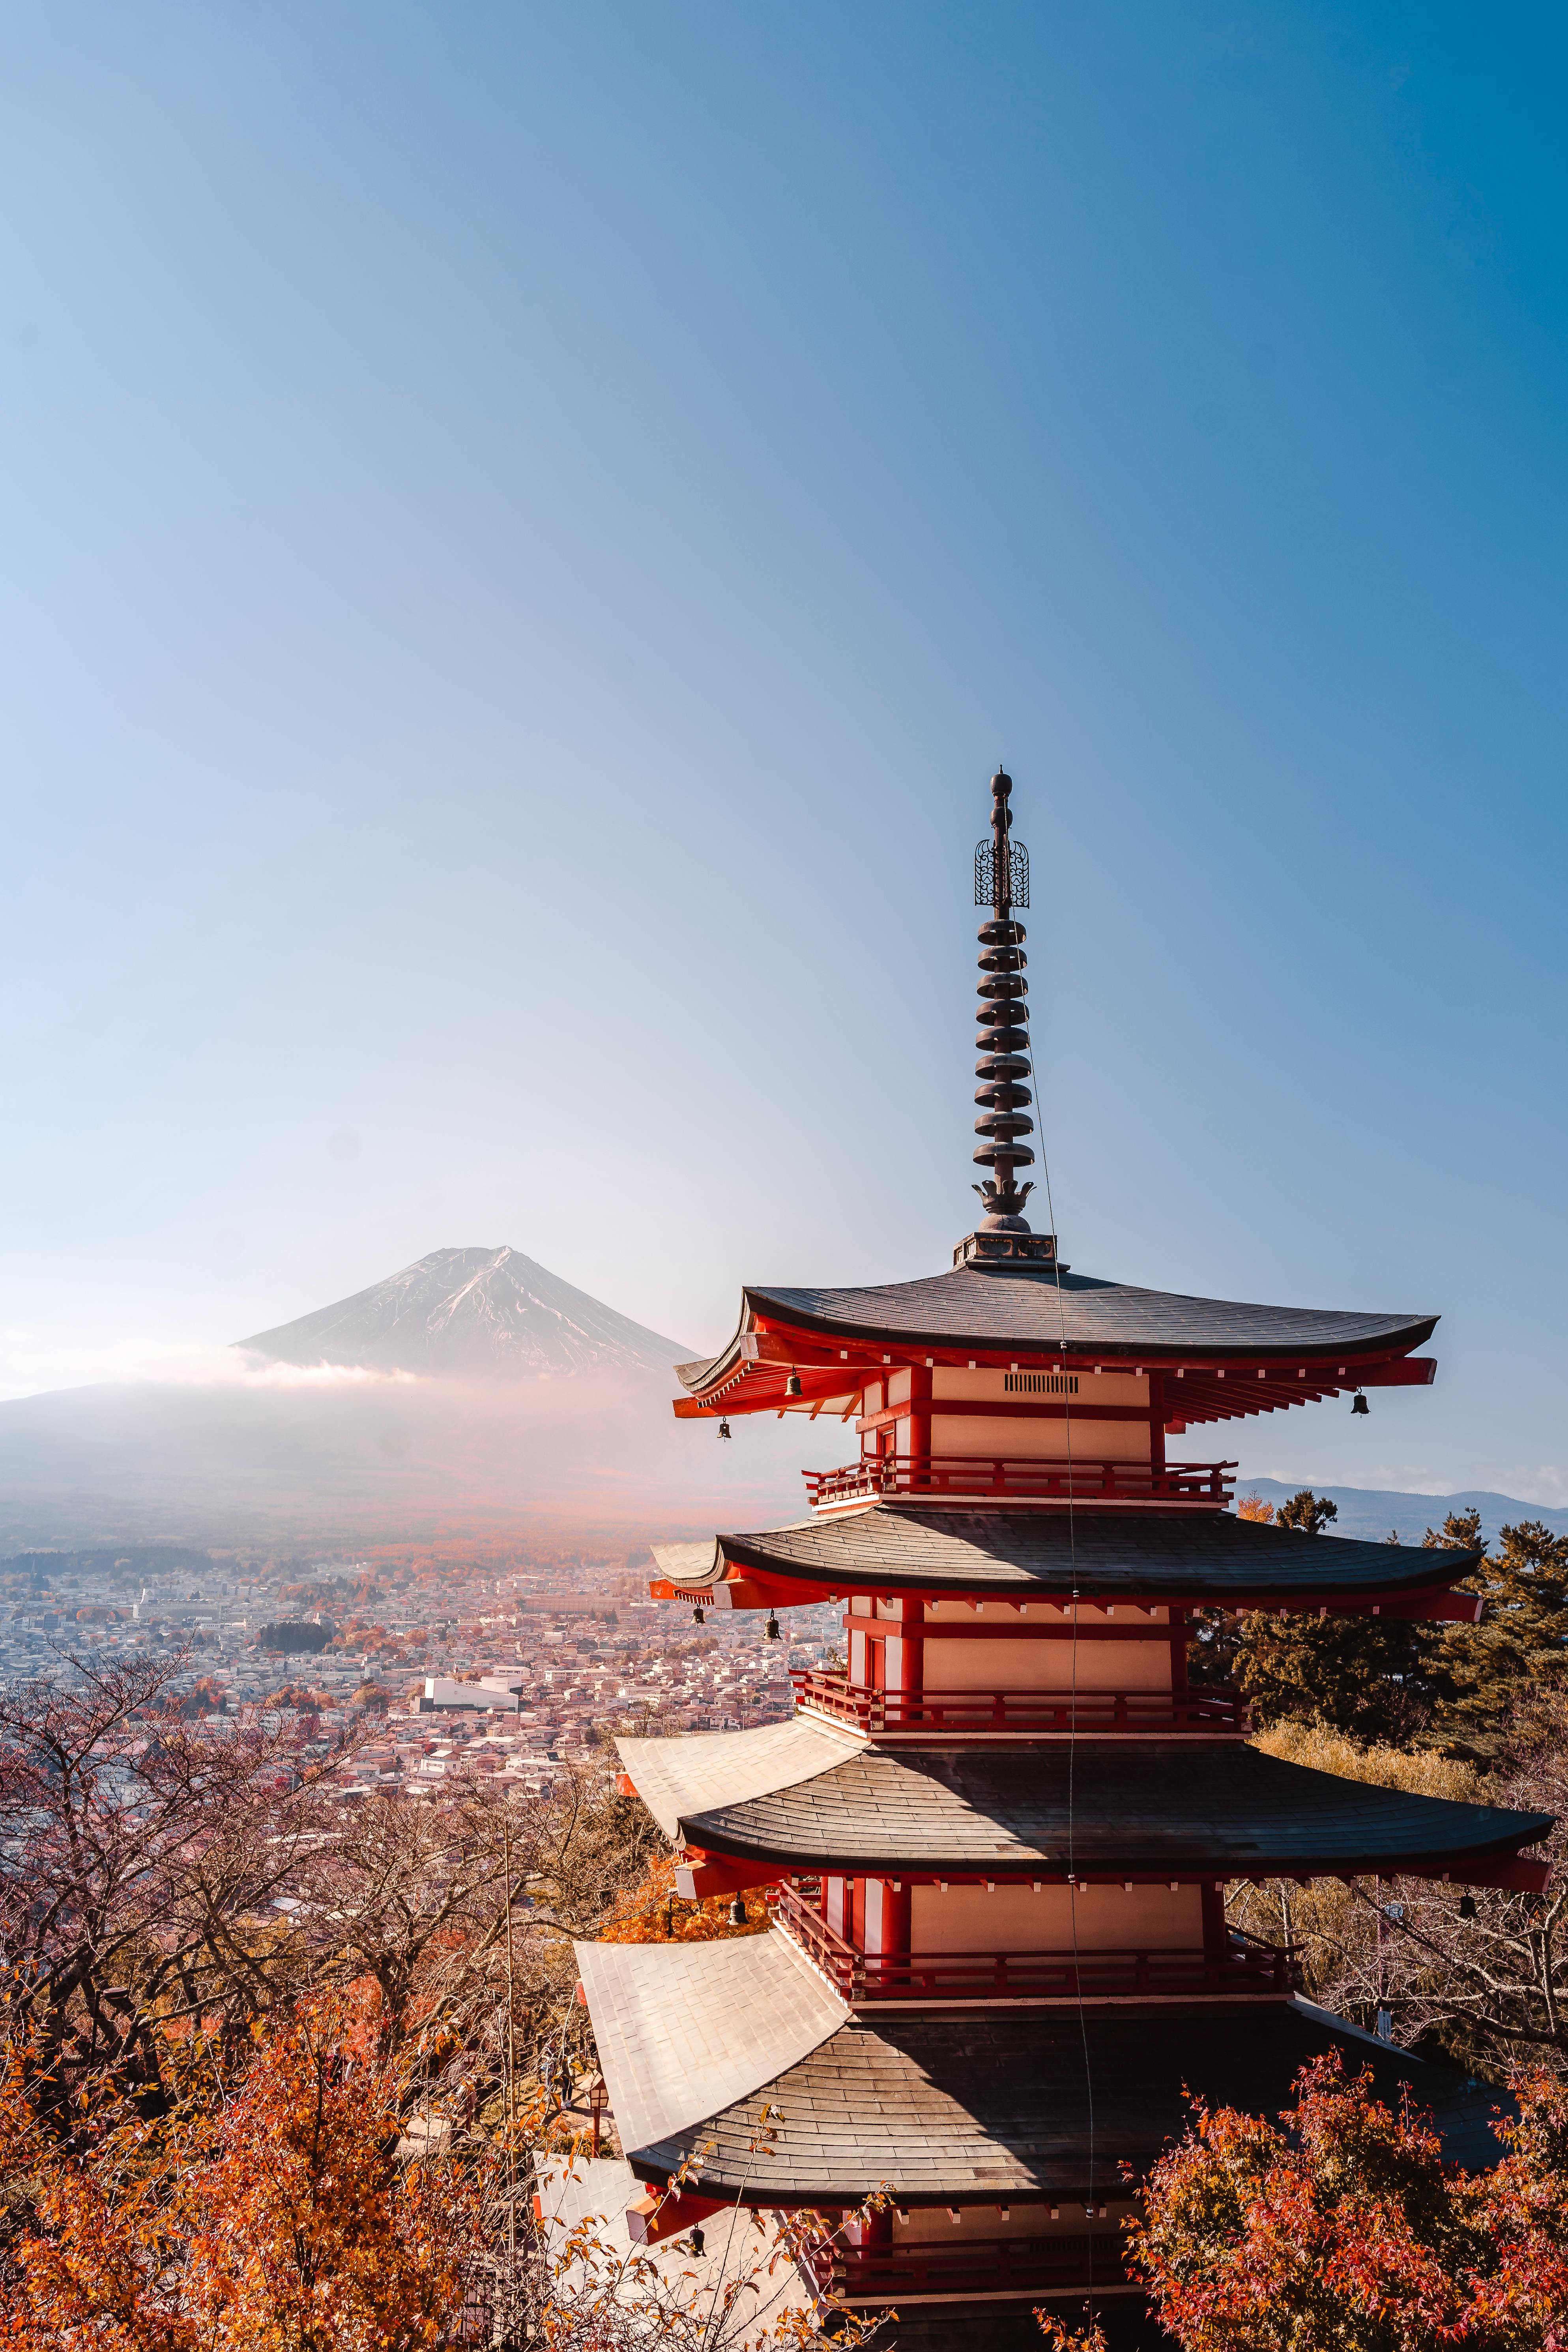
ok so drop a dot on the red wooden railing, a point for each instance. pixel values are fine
(1022, 1479)
(987, 2266)
(977, 1713)
(1246, 1965)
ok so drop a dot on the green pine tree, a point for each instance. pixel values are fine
(1367, 1676)
(1485, 1673)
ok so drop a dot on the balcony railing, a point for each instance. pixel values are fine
(1015, 1714)
(1246, 1965)
(970, 2266)
(1020, 1479)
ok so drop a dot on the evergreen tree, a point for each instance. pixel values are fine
(1308, 1514)
(1365, 1675)
(1487, 1673)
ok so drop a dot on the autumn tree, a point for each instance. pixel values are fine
(154, 1877)
(280, 2220)
(653, 1913)
(134, 1849)
(294, 2212)
(1346, 2231)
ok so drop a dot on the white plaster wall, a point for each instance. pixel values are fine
(998, 1663)
(1104, 1388)
(1015, 1919)
(1014, 1438)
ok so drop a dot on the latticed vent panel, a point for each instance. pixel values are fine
(985, 891)
(1040, 1383)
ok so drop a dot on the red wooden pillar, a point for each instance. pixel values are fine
(1157, 1424)
(868, 2245)
(1179, 1639)
(886, 1914)
(1217, 1935)
(920, 1425)
(905, 1668)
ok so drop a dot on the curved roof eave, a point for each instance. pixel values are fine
(974, 2108)
(1025, 1306)
(1224, 1810)
(1200, 1557)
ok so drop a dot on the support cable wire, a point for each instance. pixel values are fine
(1072, 1700)
(1003, 865)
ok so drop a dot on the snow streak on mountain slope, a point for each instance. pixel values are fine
(471, 1314)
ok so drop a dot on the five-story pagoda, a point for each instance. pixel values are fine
(998, 1842)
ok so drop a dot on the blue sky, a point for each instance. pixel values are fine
(523, 533)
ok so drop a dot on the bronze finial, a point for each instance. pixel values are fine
(1002, 883)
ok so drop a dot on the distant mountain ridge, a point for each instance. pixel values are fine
(1371, 1512)
(471, 1314)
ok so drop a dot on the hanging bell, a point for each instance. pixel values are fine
(696, 2241)
(1359, 1403)
(792, 1386)
(1467, 1906)
(738, 1913)
(724, 1428)
(771, 1630)
(697, 1617)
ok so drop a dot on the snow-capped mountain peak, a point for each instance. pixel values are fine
(471, 1314)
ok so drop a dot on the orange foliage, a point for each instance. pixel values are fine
(282, 2222)
(1348, 2232)
(654, 1913)
(1253, 1507)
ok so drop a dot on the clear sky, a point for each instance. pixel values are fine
(524, 531)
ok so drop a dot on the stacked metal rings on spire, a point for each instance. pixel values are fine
(1004, 1033)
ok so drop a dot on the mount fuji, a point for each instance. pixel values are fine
(470, 1314)
(473, 1390)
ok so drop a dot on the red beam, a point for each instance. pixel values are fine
(661, 2215)
(765, 1355)
(698, 1875)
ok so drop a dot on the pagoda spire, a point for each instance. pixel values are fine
(1002, 883)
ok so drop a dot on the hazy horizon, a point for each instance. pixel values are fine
(528, 533)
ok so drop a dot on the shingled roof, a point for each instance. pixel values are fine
(979, 2105)
(1192, 1556)
(993, 2104)
(1027, 1307)
(1142, 1807)
(675, 1777)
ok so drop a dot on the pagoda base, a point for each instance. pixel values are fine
(1007, 1249)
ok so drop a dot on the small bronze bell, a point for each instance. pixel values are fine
(1359, 1403)
(771, 1630)
(792, 1386)
(697, 1617)
(1467, 1906)
(724, 1429)
(738, 1913)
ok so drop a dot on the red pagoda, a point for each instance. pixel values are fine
(996, 1844)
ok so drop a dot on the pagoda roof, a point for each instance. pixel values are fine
(1041, 1308)
(1195, 1557)
(705, 1767)
(696, 2039)
(1141, 1807)
(684, 2029)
